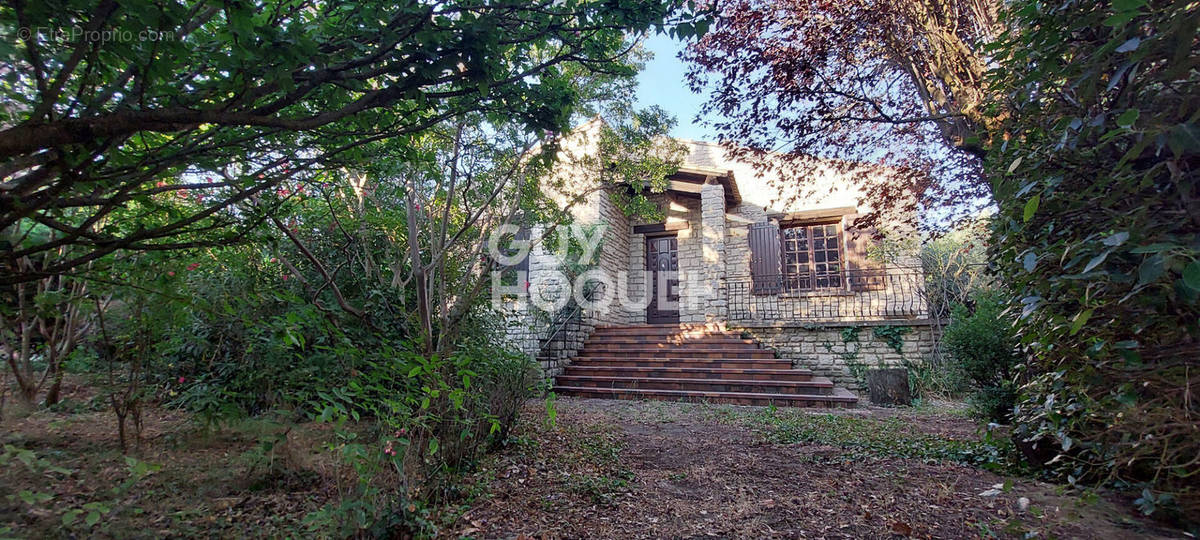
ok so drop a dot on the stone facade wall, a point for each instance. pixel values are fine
(613, 258)
(844, 351)
(530, 331)
(712, 254)
(691, 265)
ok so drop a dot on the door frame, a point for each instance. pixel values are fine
(653, 314)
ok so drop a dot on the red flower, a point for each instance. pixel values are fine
(182, 380)
(285, 277)
(193, 266)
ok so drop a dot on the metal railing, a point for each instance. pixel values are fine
(570, 313)
(850, 295)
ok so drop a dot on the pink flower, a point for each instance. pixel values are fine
(171, 273)
(182, 380)
(285, 277)
(193, 266)
(274, 260)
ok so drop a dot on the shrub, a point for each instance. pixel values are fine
(936, 375)
(983, 344)
(430, 420)
(1096, 235)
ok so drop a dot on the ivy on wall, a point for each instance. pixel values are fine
(893, 336)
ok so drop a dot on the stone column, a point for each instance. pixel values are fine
(712, 235)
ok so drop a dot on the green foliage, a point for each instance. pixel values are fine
(434, 418)
(636, 152)
(893, 336)
(955, 266)
(169, 149)
(983, 344)
(92, 512)
(866, 438)
(1098, 233)
(936, 375)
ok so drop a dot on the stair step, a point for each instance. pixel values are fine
(816, 386)
(668, 352)
(692, 362)
(708, 341)
(659, 330)
(664, 361)
(839, 398)
(672, 371)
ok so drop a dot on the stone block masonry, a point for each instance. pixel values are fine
(844, 351)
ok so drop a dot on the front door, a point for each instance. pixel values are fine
(662, 266)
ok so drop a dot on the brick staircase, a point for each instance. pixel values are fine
(692, 363)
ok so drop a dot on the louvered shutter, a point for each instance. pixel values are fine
(765, 270)
(522, 234)
(864, 274)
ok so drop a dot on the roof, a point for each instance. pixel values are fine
(706, 159)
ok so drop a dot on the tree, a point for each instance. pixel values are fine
(1098, 192)
(110, 105)
(1079, 120)
(901, 83)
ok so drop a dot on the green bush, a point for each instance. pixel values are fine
(983, 344)
(936, 375)
(1096, 236)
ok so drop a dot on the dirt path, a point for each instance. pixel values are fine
(661, 470)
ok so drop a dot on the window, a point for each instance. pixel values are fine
(511, 275)
(812, 257)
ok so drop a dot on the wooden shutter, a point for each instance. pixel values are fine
(522, 234)
(864, 274)
(765, 270)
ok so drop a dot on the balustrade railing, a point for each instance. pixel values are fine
(850, 295)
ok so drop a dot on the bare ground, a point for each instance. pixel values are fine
(621, 469)
(210, 483)
(602, 469)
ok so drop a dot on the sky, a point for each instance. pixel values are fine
(664, 83)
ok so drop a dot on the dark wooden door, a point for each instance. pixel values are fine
(662, 264)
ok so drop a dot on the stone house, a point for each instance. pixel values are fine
(744, 292)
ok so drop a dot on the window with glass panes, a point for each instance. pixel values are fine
(812, 257)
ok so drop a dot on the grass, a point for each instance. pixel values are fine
(861, 438)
